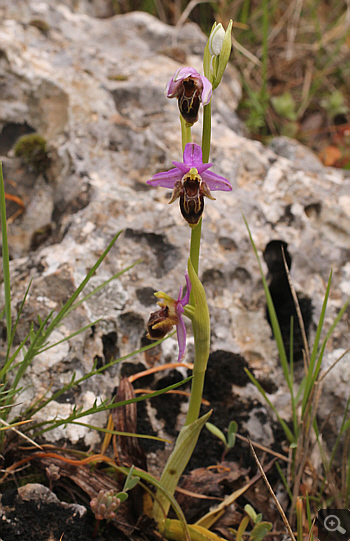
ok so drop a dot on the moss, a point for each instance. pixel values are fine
(118, 77)
(32, 150)
(43, 26)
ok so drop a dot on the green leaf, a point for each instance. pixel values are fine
(130, 481)
(284, 106)
(290, 436)
(241, 529)
(250, 512)
(122, 496)
(260, 530)
(185, 443)
(231, 434)
(217, 432)
(173, 531)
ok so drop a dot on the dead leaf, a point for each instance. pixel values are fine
(330, 155)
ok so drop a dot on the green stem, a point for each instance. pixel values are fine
(196, 231)
(201, 333)
(188, 436)
(196, 395)
(206, 133)
(194, 251)
(195, 245)
(186, 134)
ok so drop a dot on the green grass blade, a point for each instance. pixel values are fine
(68, 337)
(273, 317)
(290, 436)
(20, 312)
(284, 481)
(308, 515)
(5, 255)
(106, 406)
(287, 371)
(74, 383)
(30, 353)
(323, 347)
(64, 310)
(313, 356)
(118, 433)
(320, 325)
(340, 432)
(314, 368)
(9, 362)
(101, 286)
(347, 482)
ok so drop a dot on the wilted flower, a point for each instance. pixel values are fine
(170, 314)
(190, 181)
(105, 505)
(190, 88)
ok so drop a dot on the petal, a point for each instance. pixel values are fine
(181, 338)
(179, 297)
(172, 88)
(207, 90)
(182, 166)
(186, 298)
(193, 155)
(166, 179)
(183, 73)
(204, 167)
(176, 191)
(215, 182)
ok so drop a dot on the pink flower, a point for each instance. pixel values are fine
(190, 88)
(170, 314)
(190, 181)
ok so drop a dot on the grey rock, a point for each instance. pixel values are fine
(301, 156)
(94, 88)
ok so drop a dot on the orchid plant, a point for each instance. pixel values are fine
(190, 181)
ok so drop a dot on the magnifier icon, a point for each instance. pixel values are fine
(332, 524)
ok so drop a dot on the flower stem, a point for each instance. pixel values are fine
(185, 133)
(206, 133)
(196, 231)
(201, 333)
(194, 251)
(196, 396)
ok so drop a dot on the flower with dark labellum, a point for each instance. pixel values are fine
(170, 314)
(191, 181)
(191, 89)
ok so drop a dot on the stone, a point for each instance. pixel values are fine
(34, 508)
(94, 88)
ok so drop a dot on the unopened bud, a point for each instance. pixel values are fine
(216, 39)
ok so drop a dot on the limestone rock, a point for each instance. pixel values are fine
(94, 88)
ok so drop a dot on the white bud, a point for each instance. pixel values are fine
(216, 40)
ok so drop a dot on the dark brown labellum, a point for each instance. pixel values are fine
(161, 318)
(191, 200)
(189, 101)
